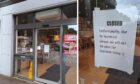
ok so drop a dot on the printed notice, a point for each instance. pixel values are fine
(114, 35)
(46, 48)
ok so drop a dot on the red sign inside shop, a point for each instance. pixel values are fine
(69, 37)
(70, 44)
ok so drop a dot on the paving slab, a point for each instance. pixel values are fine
(11, 80)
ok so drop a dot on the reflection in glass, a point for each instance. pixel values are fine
(24, 42)
(23, 67)
(64, 12)
(48, 15)
(48, 54)
(129, 8)
(24, 18)
(70, 53)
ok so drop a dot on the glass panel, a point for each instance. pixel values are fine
(24, 42)
(70, 53)
(23, 67)
(48, 15)
(57, 13)
(24, 18)
(105, 75)
(48, 54)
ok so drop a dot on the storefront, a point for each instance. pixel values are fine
(41, 42)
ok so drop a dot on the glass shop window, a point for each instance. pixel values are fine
(24, 42)
(62, 12)
(69, 11)
(24, 18)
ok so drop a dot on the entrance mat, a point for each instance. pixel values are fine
(119, 80)
(53, 73)
(56, 68)
(133, 76)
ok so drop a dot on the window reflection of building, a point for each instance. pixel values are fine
(86, 58)
(24, 40)
(70, 45)
(53, 14)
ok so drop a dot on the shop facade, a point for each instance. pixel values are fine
(38, 41)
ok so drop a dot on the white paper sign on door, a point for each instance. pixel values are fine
(46, 48)
(114, 35)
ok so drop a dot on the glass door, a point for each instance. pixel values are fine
(24, 54)
(70, 54)
(48, 55)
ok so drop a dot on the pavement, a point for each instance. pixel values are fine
(10, 80)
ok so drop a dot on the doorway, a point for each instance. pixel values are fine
(47, 52)
(47, 60)
(56, 55)
(43, 50)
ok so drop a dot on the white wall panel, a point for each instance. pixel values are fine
(6, 45)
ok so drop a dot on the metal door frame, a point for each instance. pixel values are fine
(35, 27)
(36, 66)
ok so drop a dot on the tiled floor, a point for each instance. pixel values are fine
(7, 80)
(89, 74)
(88, 71)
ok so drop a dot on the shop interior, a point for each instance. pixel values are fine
(88, 72)
(48, 54)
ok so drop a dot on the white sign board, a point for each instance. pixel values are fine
(46, 48)
(114, 35)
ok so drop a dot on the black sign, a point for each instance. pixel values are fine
(114, 23)
(4, 3)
